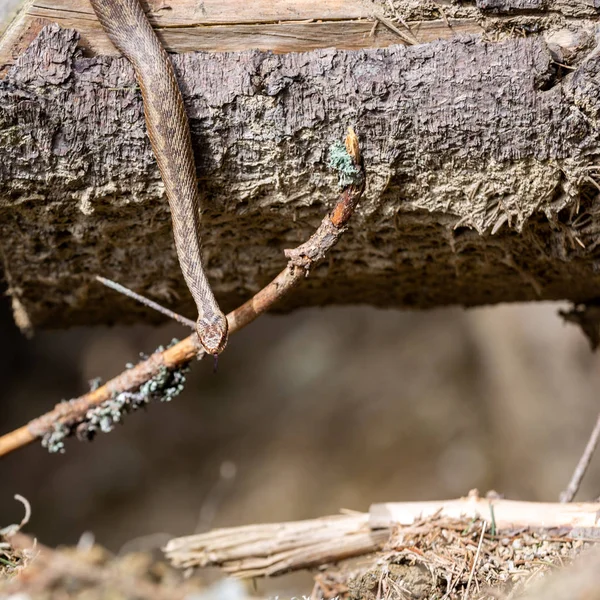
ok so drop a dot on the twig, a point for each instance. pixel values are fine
(12, 529)
(405, 38)
(401, 19)
(146, 301)
(475, 560)
(582, 466)
(508, 514)
(67, 416)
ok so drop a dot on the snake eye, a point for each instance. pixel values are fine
(212, 332)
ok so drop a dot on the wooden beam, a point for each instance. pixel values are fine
(231, 26)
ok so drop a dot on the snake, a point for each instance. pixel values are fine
(128, 28)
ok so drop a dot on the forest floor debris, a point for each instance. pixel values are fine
(437, 558)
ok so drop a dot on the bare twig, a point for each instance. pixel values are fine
(584, 462)
(475, 560)
(12, 529)
(113, 285)
(580, 517)
(67, 416)
(404, 37)
(401, 20)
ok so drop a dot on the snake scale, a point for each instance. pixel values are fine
(125, 23)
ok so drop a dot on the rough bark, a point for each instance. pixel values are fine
(478, 156)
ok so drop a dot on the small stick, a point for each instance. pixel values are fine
(146, 301)
(301, 259)
(401, 19)
(584, 462)
(475, 560)
(405, 38)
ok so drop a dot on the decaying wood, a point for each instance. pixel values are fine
(481, 161)
(230, 25)
(295, 25)
(481, 156)
(265, 550)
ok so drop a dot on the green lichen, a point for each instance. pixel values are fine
(163, 387)
(54, 441)
(95, 383)
(341, 161)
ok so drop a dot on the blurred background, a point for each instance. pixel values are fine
(309, 413)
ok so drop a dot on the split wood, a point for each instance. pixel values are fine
(276, 548)
(71, 413)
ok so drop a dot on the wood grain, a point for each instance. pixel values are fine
(190, 13)
(230, 26)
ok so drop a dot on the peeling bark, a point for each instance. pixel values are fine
(479, 159)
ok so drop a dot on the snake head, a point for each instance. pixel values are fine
(212, 331)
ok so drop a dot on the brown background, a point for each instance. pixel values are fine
(317, 410)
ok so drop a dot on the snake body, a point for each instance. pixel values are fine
(128, 28)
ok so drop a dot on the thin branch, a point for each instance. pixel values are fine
(68, 416)
(578, 518)
(113, 285)
(387, 23)
(476, 559)
(582, 466)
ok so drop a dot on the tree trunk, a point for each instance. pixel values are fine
(481, 158)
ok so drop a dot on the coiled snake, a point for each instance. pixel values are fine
(129, 30)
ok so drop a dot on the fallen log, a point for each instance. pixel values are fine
(481, 161)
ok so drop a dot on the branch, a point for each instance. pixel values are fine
(271, 549)
(583, 464)
(161, 376)
(502, 514)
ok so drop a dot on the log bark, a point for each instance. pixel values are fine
(481, 160)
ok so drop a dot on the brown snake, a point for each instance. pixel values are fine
(128, 28)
